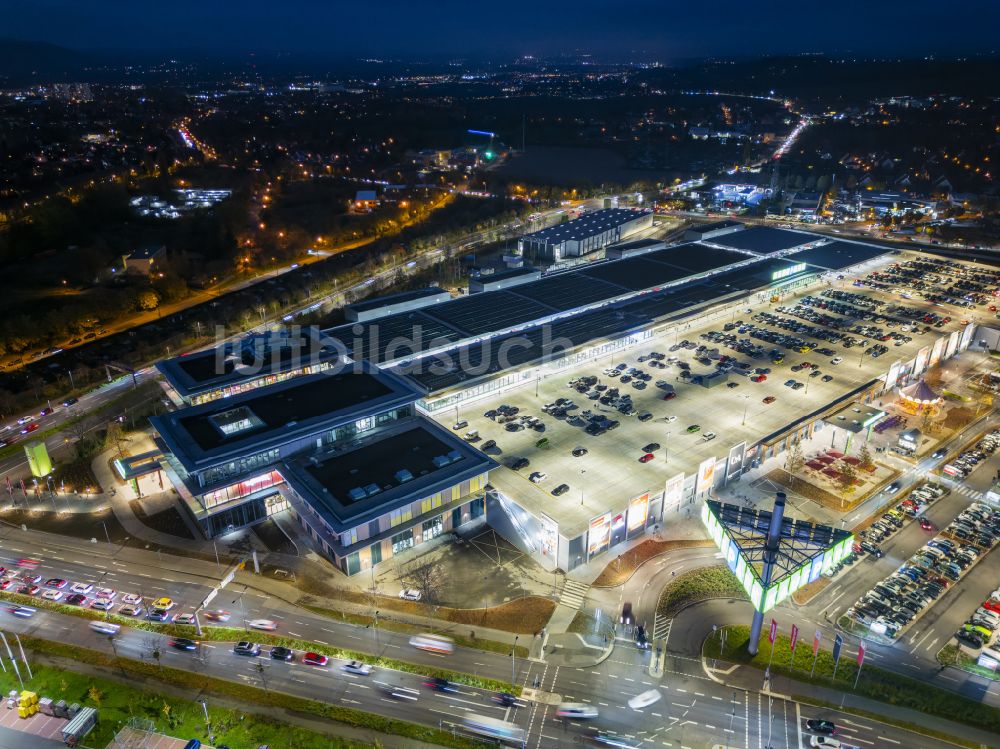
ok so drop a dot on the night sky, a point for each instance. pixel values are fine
(664, 29)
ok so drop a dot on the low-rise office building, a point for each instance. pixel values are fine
(246, 364)
(344, 450)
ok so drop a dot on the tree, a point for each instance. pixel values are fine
(865, 456)
(429, 579)
(95, 695)
(847, 477)
(147, 299)
(794, 460)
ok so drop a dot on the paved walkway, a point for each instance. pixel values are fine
(37, 731)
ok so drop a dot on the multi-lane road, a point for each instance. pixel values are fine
(695, 710)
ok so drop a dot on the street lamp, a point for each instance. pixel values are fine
(513, 650)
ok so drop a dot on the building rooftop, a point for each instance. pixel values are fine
(587, 225)
(506, 273)
(855, 417)
(258, 420)
(764, 240)
(418, 461)
(146, 253)
(838, 254)
(716, 225)
(388, 299)
(252, 356)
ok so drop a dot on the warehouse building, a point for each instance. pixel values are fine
(589, 233)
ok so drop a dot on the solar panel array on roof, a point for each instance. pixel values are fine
(490, 311)
(763, 239)
(696, 258)
(569, 290)
(636, 273)
(838, 254)
(496, 355)
(396, 335)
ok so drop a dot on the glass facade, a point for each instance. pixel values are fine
(235, 517)
(241, 489)
(432, 528)
(257, 382)
(237, 467)
(402, 541)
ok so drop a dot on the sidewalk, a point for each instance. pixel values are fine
(751, 680)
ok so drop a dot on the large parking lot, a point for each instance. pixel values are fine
(864, 324)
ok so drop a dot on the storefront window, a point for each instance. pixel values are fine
(402, 541)
(432, 528)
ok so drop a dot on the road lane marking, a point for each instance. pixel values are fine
(886, 738)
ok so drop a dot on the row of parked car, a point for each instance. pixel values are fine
(896, 601)
(967, 461)
(980, 629)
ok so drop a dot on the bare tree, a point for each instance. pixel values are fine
(794, 460)
(429, 579)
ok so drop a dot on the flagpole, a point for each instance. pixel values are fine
(815, 656)
(860, 666)
(791, 666)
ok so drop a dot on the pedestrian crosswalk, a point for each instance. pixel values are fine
(661, 627)
(573, 594)
(967, 491)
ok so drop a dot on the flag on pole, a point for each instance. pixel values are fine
(773, 633)
(861, 653)
(838, 643)
(816, 640)
(10, 488)
(795, 637)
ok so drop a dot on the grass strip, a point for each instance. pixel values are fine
(698, 585)
(951, 655)
(198, 683)
(235, 634)
(906, 725)
(490, 646)
(875, 683)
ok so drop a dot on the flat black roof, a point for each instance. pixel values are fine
(763, 239)
(489, 311)
(587, 225)
(203, 435)
(503, 275)
(400, 298)
(349, 488)
(269, 353)
(838, 254)
(715, 226)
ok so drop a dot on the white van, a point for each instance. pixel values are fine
(105, 628)
(433, 643)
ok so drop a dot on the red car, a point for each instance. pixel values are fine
(992, 604)
(28, 590)
(315, 659)
(770, 399)
(29, 563)
(4, 584)
(30, 427)
(926, 524)
(646, 458)
(669, 396)
(758, 378)
(56, 582)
